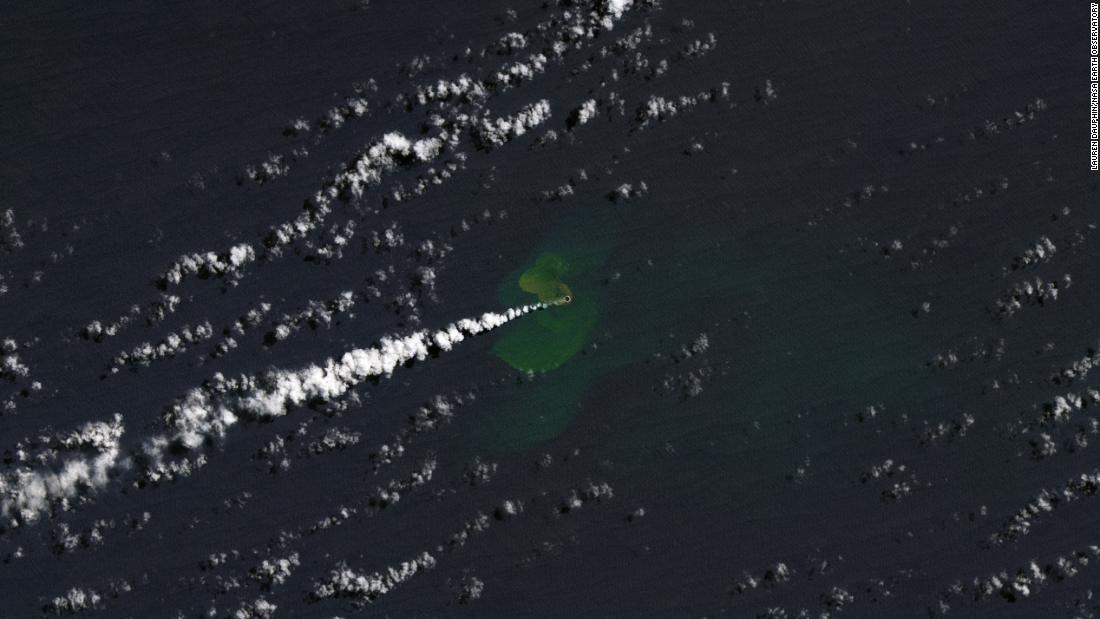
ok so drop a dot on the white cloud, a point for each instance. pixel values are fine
(28, 493)
(275, 572)
(11, 367)
(74, 601)
(9, 236)
(208, 264)
(616, 8)
(259, 608)
(1027, 292)
(172, 345)
(585, 113)
(497, 132)
(207, 412)
(345, 582)
(315, 314)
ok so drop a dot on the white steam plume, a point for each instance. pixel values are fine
(207, 412)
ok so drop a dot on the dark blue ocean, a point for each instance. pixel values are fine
(828, 351)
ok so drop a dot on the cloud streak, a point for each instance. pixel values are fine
(206, 413)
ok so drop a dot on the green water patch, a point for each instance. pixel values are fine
(567, 275)
(798, 339)
(568, 272)
(540, 413)
(544, 279)
(554, 335)
(545, 403)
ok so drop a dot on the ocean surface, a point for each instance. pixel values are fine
(611, 308)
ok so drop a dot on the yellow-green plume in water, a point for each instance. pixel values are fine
(556, 334)
(544, 280)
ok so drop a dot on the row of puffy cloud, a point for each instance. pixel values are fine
(345, 582)
(207, 412)
(27, 493)
(577, 23)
